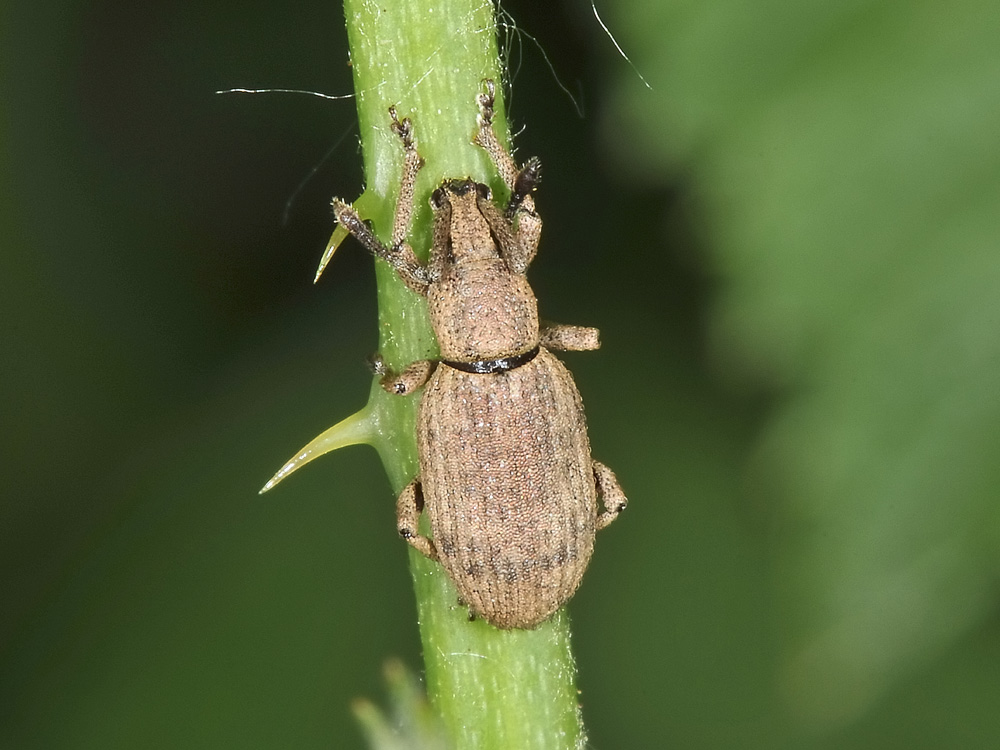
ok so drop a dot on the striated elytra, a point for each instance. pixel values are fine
(506, 475)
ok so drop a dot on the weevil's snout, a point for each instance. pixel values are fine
(458, 204)
(458, 189)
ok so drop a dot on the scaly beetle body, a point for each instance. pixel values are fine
(506, 475)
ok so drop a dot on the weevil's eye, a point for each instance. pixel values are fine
(438, 198)
(483, 191)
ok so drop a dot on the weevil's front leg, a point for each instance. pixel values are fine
(399, 254)
(407, 184)
(400, 257)
(569, 338)
(521, 182)
(612, 496)
(408, 507)
(405, 382)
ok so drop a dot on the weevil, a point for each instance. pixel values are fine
(506, 475)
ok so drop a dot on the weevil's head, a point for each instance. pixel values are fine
(479, 308)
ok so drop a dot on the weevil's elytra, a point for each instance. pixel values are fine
(506, 475)
(507, 462)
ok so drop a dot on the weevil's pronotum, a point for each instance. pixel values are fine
(506, 476)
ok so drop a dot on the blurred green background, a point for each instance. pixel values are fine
(790, 244)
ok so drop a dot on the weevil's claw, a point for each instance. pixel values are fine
(357, 428)
(486, 100)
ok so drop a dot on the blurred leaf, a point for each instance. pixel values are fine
(411, 723)
(846, 180)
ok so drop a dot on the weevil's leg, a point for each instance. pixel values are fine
(399, 254)
(521, 182)
(501, 228)
(486, 138)
(402, 383)
(521, 204)
(411, 167)
(517, 246)
(569, 338)
(529, 230)
(408, 507)
(612, 497)
(438, 260)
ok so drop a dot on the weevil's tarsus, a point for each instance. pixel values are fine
(356, 429)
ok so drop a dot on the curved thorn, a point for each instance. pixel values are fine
(357, 428)
(338, 236)
(361, 206)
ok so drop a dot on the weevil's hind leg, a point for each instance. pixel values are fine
(402, 383)
(612, 496)
(408, 507)
(569, 338)
(399, 254)
(521, 182)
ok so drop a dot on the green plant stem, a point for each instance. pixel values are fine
(428, 58)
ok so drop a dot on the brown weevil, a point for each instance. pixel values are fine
(506, 476)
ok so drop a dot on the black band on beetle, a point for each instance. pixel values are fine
(491, 366)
